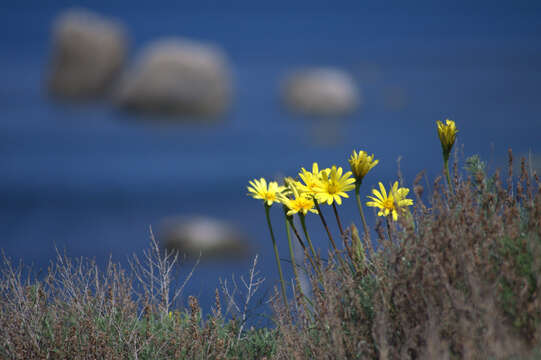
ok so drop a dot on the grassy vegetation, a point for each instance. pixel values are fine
(458, 279)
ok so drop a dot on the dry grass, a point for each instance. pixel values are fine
(78, 312)
(458, 280)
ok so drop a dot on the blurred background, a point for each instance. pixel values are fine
(118, 116)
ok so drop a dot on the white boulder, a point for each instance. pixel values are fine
(178, 77)
(202, 235)
(88, 51)
(321, 92)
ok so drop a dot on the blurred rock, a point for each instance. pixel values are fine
(210, 237)
(178, 77)
(88, 52)
(321, 92)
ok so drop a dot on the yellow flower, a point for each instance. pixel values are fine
(447, 134)
(259, 190)
(391, 203)
(302, 202)
(333, 186)
(361, 164)
(311, 179)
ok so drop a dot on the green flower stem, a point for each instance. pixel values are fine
(329, 234)
(290, 219)
(338, 220)
(303, 223)
(446, 170)
(363, 219)
(325, 224)
(317, 270)
(282, 283)
(291, 253)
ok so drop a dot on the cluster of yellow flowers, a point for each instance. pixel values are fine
(329, 186)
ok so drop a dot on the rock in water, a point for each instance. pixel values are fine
(88, 52)
(321, 92)
(177, 77)
(201, 235)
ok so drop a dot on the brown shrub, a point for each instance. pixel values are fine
(460, 281)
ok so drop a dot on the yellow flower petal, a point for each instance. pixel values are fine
(382, 190)
(260, 190)
(333, 185)
(361, 164)
(447, 134)
(390, 203)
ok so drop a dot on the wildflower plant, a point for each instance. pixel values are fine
(301, 202)
(447, 134)
(288, 222)
(361, 163)
(333, 186)
(317, 185)
(269, 194)
(312, 183)
(311, 180)
(259, 189)
(390, 203)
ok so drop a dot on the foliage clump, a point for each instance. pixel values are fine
(462, 280)
(79, 312)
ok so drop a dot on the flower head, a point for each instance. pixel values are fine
(260, 190)
(302, 202)
(390, 203)
(361, 164)
(447, 134)
(311, 179)
(333, 186)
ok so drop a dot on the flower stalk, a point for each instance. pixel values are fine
(292, 253)
(446, 171)
(447, 134)
(277, 256)
(338, 219)
(361, 163)
(305, 230)
(359, 205)
(299, 239)
(329, 234)
(325, 225)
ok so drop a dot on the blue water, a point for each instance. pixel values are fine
(91, 179)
